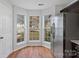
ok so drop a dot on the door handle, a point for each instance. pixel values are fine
(1, 37)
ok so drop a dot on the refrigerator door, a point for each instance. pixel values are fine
(57, 37)
(52, 36)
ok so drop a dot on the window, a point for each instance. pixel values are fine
(20, 28)
(47, 28)
(34, 28)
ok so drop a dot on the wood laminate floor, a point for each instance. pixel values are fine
(32, 52)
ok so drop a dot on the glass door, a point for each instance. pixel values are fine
(34, 31)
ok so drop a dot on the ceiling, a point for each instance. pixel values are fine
(33, 4)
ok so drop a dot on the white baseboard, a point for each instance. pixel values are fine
(46, 44)
(34, 44)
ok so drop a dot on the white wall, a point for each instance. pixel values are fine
(34, 12)
(6, 17)
(48, 11)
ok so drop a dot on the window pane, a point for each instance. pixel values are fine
(34, 28)
(47, 28)
(20, 28)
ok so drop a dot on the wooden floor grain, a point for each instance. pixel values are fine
(32, 52)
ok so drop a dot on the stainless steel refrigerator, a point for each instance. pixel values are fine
(57, 36)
